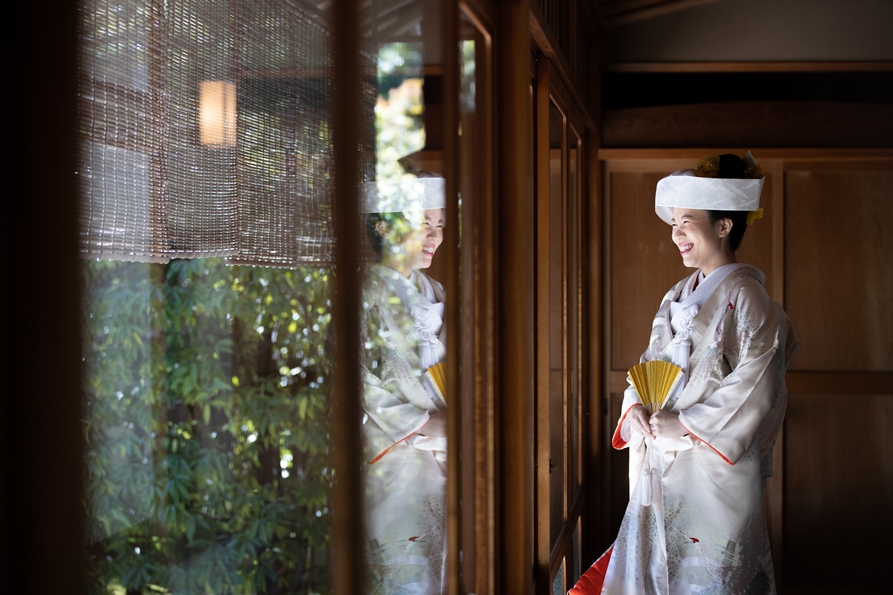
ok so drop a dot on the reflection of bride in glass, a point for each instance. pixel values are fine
(404, 427)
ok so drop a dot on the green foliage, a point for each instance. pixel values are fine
(206, 426)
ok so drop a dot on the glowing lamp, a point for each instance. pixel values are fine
(217, 113)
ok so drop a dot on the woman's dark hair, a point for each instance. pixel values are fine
(375, 239)
(732, 166)
(739, 225)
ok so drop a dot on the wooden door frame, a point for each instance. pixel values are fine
(548, 90)
(513, 398)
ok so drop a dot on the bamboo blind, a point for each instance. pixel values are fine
(152, 187)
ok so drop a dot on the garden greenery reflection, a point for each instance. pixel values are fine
(206, 426)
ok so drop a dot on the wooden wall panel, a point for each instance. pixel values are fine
(838, 490)
(839, 284)
(757, 247)
(644, 264)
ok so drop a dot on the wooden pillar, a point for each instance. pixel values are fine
(348, 557)
(514, 215)
(43, 462)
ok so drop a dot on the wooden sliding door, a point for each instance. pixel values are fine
(838, 447)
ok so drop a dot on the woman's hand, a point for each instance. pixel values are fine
(665, 424)
(638, 419)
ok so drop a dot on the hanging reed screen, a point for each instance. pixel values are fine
(206, 131)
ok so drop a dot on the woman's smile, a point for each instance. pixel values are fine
(699, 240)
(415, 249)
(430, 236)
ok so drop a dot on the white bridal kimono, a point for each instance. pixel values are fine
(695, 523)
(404, 334)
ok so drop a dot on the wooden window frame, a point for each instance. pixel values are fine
(552, 556)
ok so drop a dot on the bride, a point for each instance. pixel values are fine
(404, 429)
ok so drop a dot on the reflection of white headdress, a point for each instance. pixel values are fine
(404, 194)
(686, 188)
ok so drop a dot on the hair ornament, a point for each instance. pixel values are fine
(708, 166)
(753, 172)
(752, 216)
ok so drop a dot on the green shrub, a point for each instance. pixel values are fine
(206, 425)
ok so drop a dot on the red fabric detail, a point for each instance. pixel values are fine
(724, 457)
(617, 442)
(387, 450)
(593, 579)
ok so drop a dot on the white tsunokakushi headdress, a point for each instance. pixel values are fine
(700, 189)
(404, 194)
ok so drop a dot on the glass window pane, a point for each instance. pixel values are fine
(557, 240)
(206, 129)
(207, 194)
(475, 187)
(404, 305)
(574, 315)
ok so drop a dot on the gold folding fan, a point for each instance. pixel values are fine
(655, 381)
(437, 375)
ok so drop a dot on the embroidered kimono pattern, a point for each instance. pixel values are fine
(403, 334)
(695, 523)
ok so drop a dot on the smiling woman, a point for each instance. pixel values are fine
(698, 466)
(406, 236)
(404, 427)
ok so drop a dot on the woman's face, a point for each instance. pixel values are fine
(701, 242)
(418, 246)
(430, 237)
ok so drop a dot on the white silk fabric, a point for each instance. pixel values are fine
(684, 189)
(694, 523)
(403, 433)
